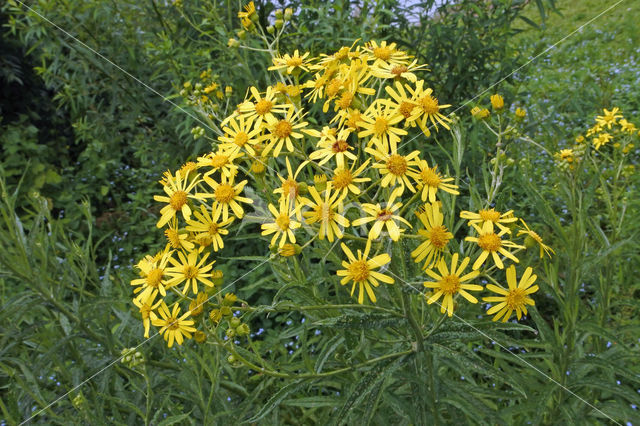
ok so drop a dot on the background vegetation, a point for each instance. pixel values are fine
(83, 146)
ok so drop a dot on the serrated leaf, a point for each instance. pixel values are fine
(360, 321)
(276, 399)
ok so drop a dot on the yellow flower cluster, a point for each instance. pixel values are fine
(307, 173)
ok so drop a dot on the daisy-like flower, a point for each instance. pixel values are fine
(326, 212)
(436, 235)
(290, 187)
(378, 122)
(291, 63)
(516, 298)
(178, 190)
(627, 126)
(209, 226)
(345, 179)
(350, 118)
(176, 239)
(429, 108)
(220, 161)
(226, 196)
(189, 270)
(395, 168)
(383, 217)
(451, 282)
(602, 139)
(430, 181)
(360, 270)
(152, 276)
(261, 109)
(565, 157)
(492, 244)
(146, 310)
(386, 53)
(497, 102)
(403, 104)
(544, 249)
(281, 132)
(387, 70)
(488, 218)
(283, 225)
(609, 118)
(173, 326)
(240, 135)
(334, 145)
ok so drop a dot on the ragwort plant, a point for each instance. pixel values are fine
(321, 158)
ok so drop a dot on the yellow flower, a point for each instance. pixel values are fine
(344, 179)
(282, 225)
(209, 226)
(360, 270)
(146, 310)
(325, 211)
(261, 109)
(196, 306)
(378, 122)
(383, 217)
(177, 239)
(177, 190)
(220, 161)
(602, 139)
(281, 132)
(516, 298)
(436, 235)
(395, 168)
(492, 244)
(174, 327)
(385, 53)
(451, 282)
(521, 113)
(497, 102)
(544, 249)
(189, 270)
(332, 145)
(627, 126)
(152, 276)
(291, 63)
(289, 250)
(480, 113)
(609, 118)
(403, 104)
(386, 70)
(430, 181)
(487, 218)
(239, 135)
(227, 196)
(429, 109)
(290, 187)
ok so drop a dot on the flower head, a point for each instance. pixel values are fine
(516, 298)
(450, 282)
(436, 236)
(360, 270)
(173, 326)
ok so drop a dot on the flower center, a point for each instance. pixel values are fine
(397, 165)
(294, 61)
(154, 278)
(489, 215)
(190, 271)
(173, 237)
(324, 212)
(384, 215)
(359, 270)
(342, 179)
(381, 126)
(263, 107)
(515, 298)
(340, 146)
(213, 228)
(177, 200)
(382, 52)
(172, 323)
(283, 129)
(283, 221)
(290, 187)
(345, 100)
(429, 104)
(224, 193)
(406, 108)
(334, 87)
(219, 160)
(450, 284)
(430, 177)
(241, 138)
(438, 237)
(490, 242)
(398, 70)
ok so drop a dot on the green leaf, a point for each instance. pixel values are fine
(276, 399)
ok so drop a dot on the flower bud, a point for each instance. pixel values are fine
(233, 43)
(279, 23)
(230, 333)
(242, 330)
(271, 29)
(288, 12)
(235, 322)
(199, 337)
(279, 13)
